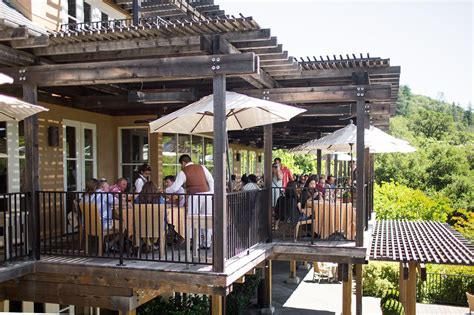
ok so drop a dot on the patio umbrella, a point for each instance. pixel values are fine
(13, 109)
(242, 112)
(385, 143)
(342, 140)
(5, 79)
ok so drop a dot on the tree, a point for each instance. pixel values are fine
(432, 124)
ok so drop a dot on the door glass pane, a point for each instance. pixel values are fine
(71, 175)
(170, 170)
(129, 173)
(3, 158)
(134, 145)
(208, 153)
(88, 144)
(88, 170)
(169, 149)
(197, 150)
(184, 145)
(70, 142)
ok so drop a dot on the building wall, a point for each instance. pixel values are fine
(52, 13)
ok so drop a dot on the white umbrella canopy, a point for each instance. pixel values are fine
(5, 79)
(344, 156)
(342, 140)
(242, 112)
(385, 143)
(13, 109)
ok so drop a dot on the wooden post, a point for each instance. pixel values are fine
(30, 94)
(346, 289)
(137, 4)
(267, 173)
(410, 298)
(293, 278)
(359, 287)
(318, 155)
(335, 167)
(402, 284)
(220, 203)
(216, 307)
(360, 191)
(267, 286)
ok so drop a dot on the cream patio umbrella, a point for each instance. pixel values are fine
(385, 143)
(242, 112)
(13, 109)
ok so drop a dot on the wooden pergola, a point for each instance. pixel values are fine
(414, 244)
(156, 64)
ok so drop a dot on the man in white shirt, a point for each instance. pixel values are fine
(198, 181)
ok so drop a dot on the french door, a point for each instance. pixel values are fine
(79, 154)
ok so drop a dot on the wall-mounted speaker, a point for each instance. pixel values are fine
(259, 159)
(53, 136)
(237, 156)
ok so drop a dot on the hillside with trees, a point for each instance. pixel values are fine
(437, 181)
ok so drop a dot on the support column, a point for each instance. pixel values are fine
(30, 95)
(216, 305)
(267, 173)
(335, 167)
(293, 278)
(318, 155)
(410, 298)
(359, 287)
(360, 191)
(220, 203)
(346, 289)
(267, 287)
(402, 280)
(137, 4)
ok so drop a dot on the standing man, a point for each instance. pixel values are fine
(198, 180)
(287, 176)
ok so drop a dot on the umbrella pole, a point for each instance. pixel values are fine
(350, 169)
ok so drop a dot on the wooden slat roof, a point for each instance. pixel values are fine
(420, 241)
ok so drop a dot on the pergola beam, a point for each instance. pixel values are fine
(339, 73)
(140, 70)
(320, 94)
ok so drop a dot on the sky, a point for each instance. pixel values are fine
(432, 41)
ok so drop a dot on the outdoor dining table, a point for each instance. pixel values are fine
(332, 216)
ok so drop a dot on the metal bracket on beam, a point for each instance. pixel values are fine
(266, 95)
(215, 64)
(360, 92)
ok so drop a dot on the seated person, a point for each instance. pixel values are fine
(106, 202)
(149, 194)
(244, 180)
(330, 187)
(321, 185)
(309, 194)
(287, 205)
(120, 186)
(173, 199)
(251, 183)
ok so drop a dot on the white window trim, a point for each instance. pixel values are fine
(80, 160)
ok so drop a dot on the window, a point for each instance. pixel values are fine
(104, 17)
(87, 12)
(252, 162)
(244, 166)
(199, 148)
(134, 152)
(71, 11)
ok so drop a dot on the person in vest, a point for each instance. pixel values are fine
(198, 180)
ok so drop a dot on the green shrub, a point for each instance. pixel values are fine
(177, 305)
(392, 307)
(239, 299)
(379, 277)
(393, 201)
(390, 294)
